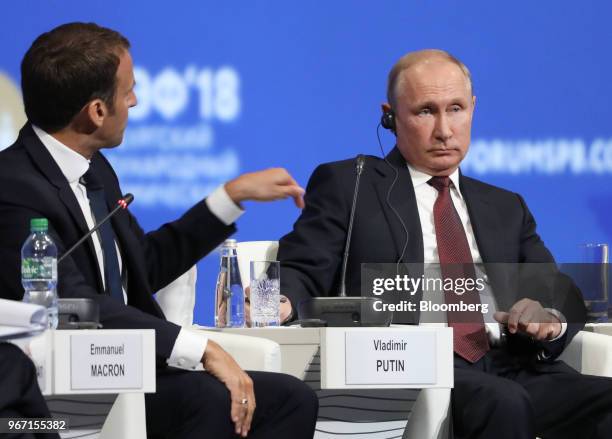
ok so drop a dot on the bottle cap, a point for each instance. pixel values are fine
(39, 225)
(231, 243)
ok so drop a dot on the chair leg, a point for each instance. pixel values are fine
(430, 417)
(126, 420)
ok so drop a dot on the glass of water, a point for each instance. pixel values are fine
(265, 293)
(594, 276)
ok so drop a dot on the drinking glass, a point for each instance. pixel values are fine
(265, 293)
(594, 276)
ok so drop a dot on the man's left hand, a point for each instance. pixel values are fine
(529, 317)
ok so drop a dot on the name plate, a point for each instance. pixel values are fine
(390, 357)
(105, 361)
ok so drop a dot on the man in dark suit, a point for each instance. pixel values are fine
(20, 396)
(416, 207)
(78, 84)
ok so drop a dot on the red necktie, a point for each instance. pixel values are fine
(470, 337)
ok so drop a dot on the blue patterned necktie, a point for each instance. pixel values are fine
(97, 201)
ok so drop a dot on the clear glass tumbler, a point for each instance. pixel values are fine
(265, 293)
(595, 280)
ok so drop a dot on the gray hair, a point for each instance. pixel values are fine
(414, 58)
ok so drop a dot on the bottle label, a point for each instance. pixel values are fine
(39, 268)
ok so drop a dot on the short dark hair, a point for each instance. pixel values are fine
(67, 67)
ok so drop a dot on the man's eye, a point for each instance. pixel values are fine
(455, 108)
(425, 111)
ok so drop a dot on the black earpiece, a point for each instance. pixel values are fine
(388, 120)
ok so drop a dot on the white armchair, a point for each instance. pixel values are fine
(248, 251)
(177, 300)
(590, 353)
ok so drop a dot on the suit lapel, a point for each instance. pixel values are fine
(485, 221)
(43, 160)
(403, 200)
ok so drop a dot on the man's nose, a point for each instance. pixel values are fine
(442, 130)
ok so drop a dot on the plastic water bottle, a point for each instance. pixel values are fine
(39, 269)
(229, 303)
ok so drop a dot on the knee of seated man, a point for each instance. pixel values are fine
(215, 390)
(302, 392)
(287, 388)
(202, 394)
(604, 427)
(15, 360)
(12, 353)
(504, 395)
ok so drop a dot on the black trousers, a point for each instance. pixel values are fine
(501, 397)
(20, 396)
(197, 405)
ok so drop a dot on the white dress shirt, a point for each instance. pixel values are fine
(426, 196)
(190, 345)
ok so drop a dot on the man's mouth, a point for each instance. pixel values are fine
(445, 151)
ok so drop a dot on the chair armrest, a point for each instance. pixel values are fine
(430, 415)
(590, 353)
(127, 418)
(251, 353)
(177, 299)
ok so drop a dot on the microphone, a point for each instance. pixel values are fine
(359, 165)
(343, 311)
(122, 203)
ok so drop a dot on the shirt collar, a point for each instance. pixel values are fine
(419, 178)
(72, 164)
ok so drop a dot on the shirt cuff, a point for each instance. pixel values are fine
(223, 207)
(563, 321)
(188, 350)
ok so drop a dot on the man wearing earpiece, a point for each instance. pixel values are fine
(416, 206)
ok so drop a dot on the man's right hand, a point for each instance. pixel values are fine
(268, 185)
(222, 366)
(529, 317)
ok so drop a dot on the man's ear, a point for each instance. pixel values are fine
(386, 107)
(96, 112)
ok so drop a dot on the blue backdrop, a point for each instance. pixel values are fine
(229, 87)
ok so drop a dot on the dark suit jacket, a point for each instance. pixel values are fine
(32, 185)
(311, 255)
(20, 396)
